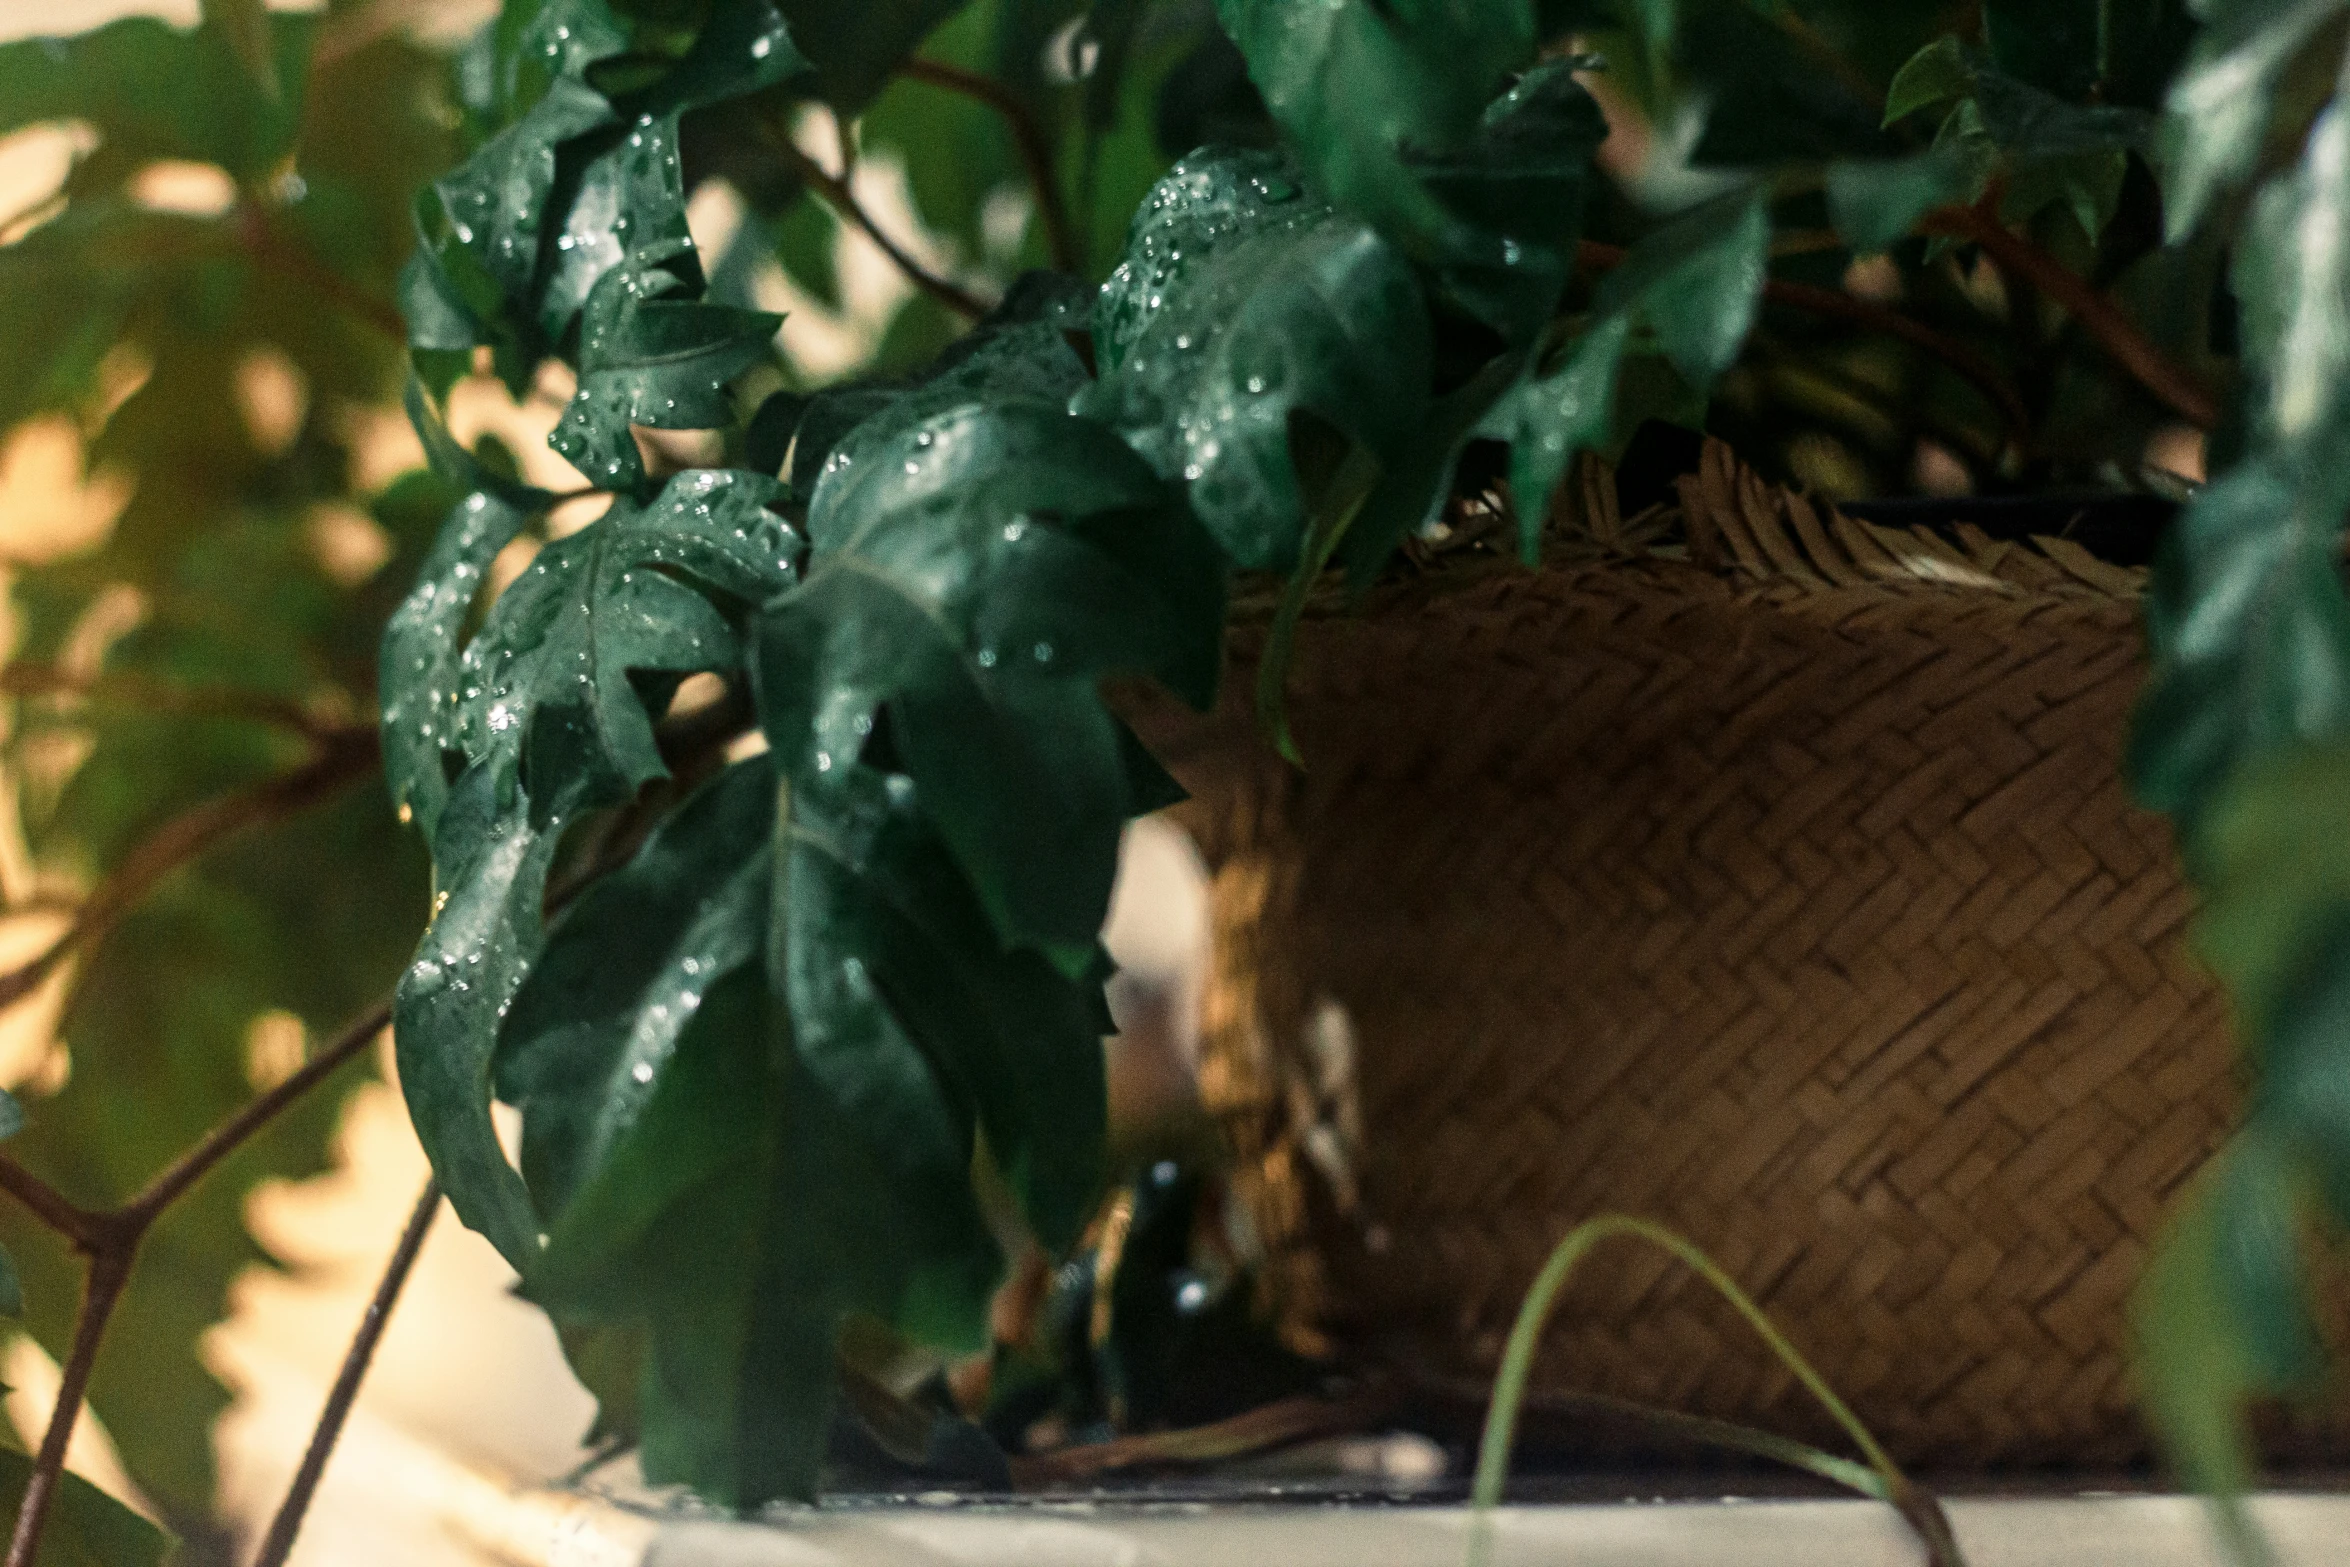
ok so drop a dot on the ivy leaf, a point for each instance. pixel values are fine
(556, 717)
(975, 576)
(1242, 305)
(1548, 419)
(1519, 184)
(87, 1528)
(1939, 73)
(2220, 103)
(1874, 203)
(1354, 84)
(2250, 632)
(159, 91)
(741, 1217)
(855, 48)
(1696, 283)
(652, 353)
(421, 661)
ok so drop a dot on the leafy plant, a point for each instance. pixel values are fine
(772, 813)
(862, 959)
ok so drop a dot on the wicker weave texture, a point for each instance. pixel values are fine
(1795, 903)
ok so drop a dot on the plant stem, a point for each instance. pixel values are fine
(345, 758)
(1028, 137)
(110, 1270)
(273, 253)
(1840, 306)
(156, 696)
(111, 1241)
(837, 195)
(2099, 316)
(279, 1543)
(224, 1139)
(1917, 1508)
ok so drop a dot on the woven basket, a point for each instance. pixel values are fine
(1786, 893)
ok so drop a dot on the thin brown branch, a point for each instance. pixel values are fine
(51, 1206)
(842, 200)
(2100, 317)
(279, 1543)
(110, 1270)
(224, 1139)
(347, 757)
(158, 696)
(1036, 153)
(1839, 306)
(273, 252)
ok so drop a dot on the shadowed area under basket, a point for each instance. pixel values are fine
(1748, 868)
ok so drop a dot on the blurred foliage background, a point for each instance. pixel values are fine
(209, 502)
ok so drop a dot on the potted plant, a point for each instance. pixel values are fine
(765, 1005)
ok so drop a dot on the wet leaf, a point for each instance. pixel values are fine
(1241, 305)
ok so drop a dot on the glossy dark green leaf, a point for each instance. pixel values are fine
(1355, 85)
(555, 715)
(856, 47)
(1547, 419)
(741, 1217)
(1519, 184)
(422, 655)
(1241, 305)
(652, 353)
(973, 577)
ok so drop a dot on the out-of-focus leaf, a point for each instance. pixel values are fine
(244, 25)
(87, 1528)
(1241, 305)
(2221, 102)
(1939, 73)
(1548, 419)
(856, 47)
(1696, 283)
(1875, 204)
(1355, 85)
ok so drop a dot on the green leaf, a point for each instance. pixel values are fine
(1519, 185)
(2220, 104)
(2250, 633)
(163, 92)
(244, 25)
(740, 1219)
(974, 577)
(1939, 73)
(652, 353)
(1241, 306)
(1696, 283)
(855, 48)
(87, 1528)
(1355, 84)
(421, 663)
(1548, 419)
(2222, 1317)
(1874, 204)
(556, 716)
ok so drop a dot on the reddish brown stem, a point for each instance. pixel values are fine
(841, 199)
(2099, 316)
(49, 1205)
(272, 252)
(279, 1543)
(1861, 312)
(346, 757)
(110, 1270)
(156, 696)
(1036, 154)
